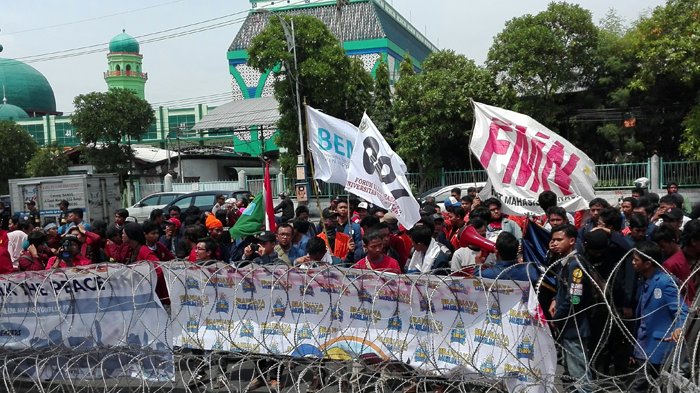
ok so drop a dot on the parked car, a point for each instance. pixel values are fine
(142, 209)
(204, 200)
(442, 193)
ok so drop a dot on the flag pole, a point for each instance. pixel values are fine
(315, 188)
(471, 161)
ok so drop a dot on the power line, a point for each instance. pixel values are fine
(94, 18)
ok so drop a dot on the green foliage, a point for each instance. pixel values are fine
(48, 161)
(328, 79)
(18, 149)
(667, 44)
(548, 53)
(433, 114)
(382, 107)
(106, 123)
(622, 145)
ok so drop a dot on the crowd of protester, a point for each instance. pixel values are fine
(637, 260)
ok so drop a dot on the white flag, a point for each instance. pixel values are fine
(330, 141)
(378, 175)
(524, 158)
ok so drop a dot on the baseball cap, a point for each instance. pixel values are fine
(328, 214)
(672, 214)
(390, 218)
(266, 236)
(174, 221)
(50, 226)
(437, 216)
(363, 205)
(452, 201)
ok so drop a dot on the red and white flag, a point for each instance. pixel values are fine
(524, 158)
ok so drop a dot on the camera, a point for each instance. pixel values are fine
(254, 247)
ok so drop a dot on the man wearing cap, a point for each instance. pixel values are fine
(171, 239)
(362, 211)
(340, 244)
(262, 250)
(33, 213)
(68, 255)
(216, 230)
(53, 239)
(349, 228)
(63, 216)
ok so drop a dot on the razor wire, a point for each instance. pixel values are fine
(102, 328)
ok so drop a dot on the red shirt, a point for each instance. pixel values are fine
(678, 265)
(5, 259)
(78, 260)
(387, 264)
(118, 252)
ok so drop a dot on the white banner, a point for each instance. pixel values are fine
(331, 144)
(523, 158)
(378, 175)
(105, 308)
(452, 326)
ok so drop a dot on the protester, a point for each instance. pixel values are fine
(206, 250)
(568, 309)
(286, 206)
(660, 316)
(68, 255)
(37, 254)
(53, 239)
(507, 266)
(220, 200)
(34, 216)
(499, 222)
(376, 259)
(20, 228)
(151, 232)
(116, 249)
(262, 250)
(340, 244)
(172, 238)
(284, 248)
(429, 256)
(466, 259)
(349, 228)
(120, 216)
(677, 258)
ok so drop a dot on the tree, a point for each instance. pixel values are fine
(382, 106)
(18, 149)
(542, 56)
(107, 123)
(666, 45)
(48, 161)
(433, 114)
(328, 79)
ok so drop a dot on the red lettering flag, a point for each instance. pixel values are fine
(523, 158)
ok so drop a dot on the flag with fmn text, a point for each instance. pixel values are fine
(524, 158)
(378, 175)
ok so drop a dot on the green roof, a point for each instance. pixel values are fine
(26, 87)
(12, 112)
(123, 43)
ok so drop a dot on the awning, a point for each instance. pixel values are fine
(242, 115)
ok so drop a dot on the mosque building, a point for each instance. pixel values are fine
(368, 29)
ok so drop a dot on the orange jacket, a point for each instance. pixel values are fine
(341, 246)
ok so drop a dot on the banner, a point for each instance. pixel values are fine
(451, 326)
(251, 221)
(108, 309)
(331, 144)
(523, 158)
(378, 175)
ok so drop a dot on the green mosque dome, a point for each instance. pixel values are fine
(123, 43)
(26, 87)
(12, 112)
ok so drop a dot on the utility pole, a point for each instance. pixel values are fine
(179, 153)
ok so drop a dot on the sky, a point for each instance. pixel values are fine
(190, 65)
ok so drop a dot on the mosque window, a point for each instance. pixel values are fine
(128, 67)
(118, 68)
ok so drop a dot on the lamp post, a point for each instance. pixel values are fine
(292, 47)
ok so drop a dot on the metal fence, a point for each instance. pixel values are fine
(610, 176)
(685, 173)
(621, 175)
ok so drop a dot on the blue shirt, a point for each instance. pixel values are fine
(510, 270)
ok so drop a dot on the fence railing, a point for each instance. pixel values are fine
(621, 175)
(610, 176)
(685, 173)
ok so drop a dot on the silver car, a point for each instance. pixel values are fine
(142, 209)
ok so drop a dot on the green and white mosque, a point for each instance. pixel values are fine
(369, 29)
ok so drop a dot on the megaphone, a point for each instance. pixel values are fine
(470, 237)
